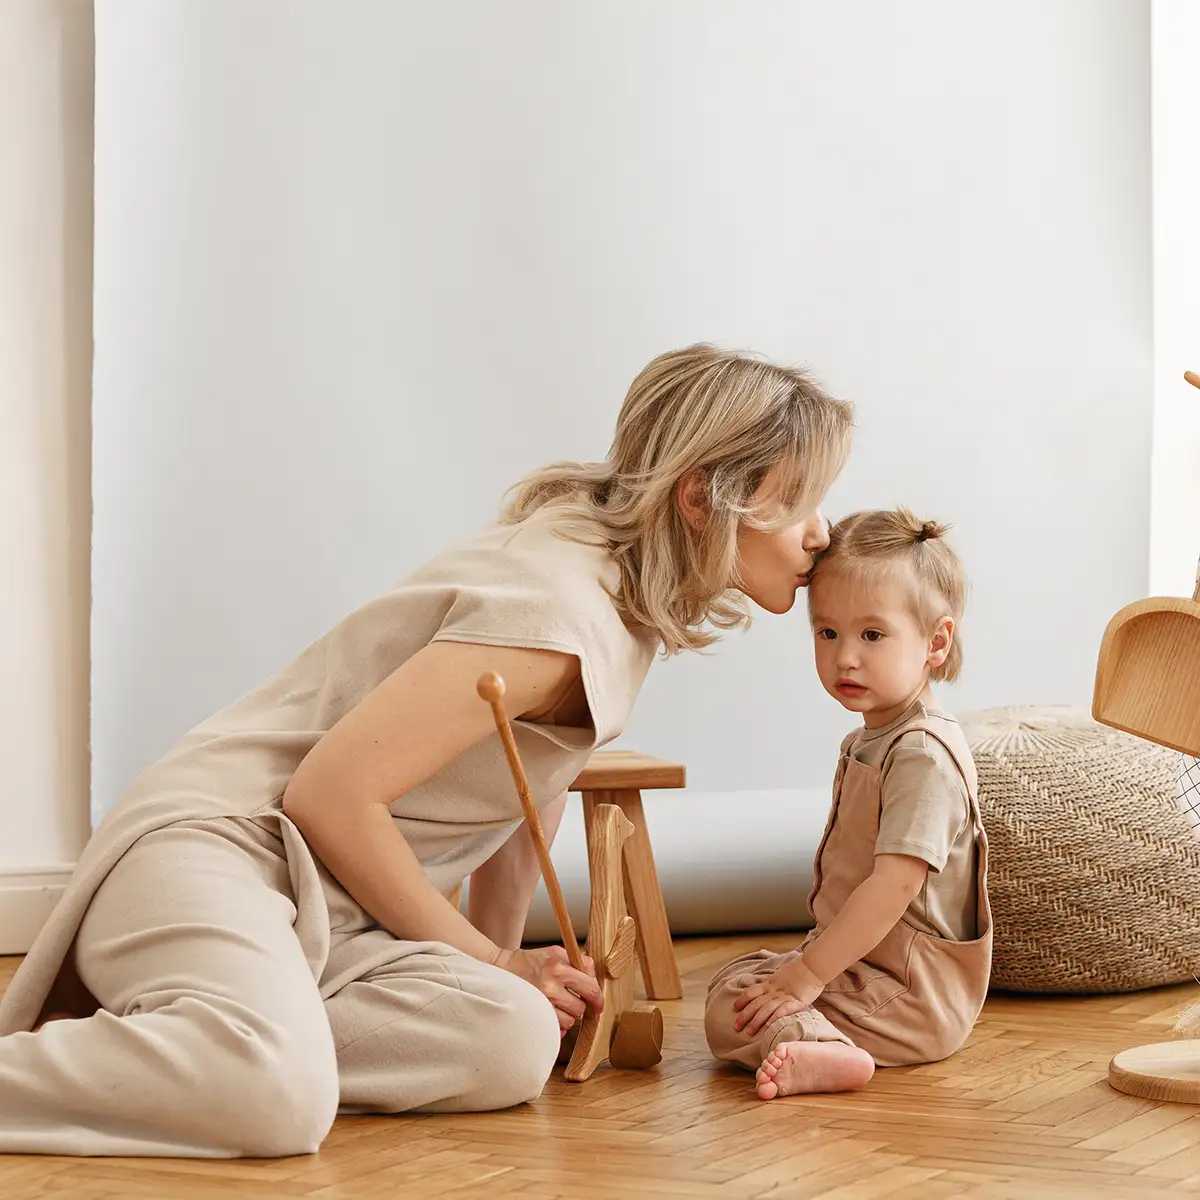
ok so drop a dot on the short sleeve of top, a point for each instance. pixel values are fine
(925, 806)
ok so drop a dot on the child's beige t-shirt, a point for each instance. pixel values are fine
(926, 813)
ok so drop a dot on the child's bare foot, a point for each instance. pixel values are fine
(798, 1068)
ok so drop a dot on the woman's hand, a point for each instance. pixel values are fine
(790, 990)
(550, 971)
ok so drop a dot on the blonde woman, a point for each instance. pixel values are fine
(258, 933)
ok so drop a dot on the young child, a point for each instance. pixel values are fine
(897, 968)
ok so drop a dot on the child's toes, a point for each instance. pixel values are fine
(765, 1086)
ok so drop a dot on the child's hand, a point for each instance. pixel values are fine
(790, 990)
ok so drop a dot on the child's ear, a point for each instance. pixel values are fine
(940, 643)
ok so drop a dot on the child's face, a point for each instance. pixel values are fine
(873, 655)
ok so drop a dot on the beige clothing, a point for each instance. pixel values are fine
(215, 942)
(916, 996)
(926, 813)
(728, 984)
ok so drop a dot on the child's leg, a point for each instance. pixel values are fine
(801, 1053)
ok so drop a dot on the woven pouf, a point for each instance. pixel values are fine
(1095, 873)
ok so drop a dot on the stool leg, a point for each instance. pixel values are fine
(644, 897)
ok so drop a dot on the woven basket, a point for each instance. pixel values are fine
(1094, 874)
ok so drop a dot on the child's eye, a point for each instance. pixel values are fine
(872, 635)
(827, 635)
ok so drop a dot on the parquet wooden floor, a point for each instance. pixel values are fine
(1023, 1112)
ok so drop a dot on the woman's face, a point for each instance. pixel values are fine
(774, 564)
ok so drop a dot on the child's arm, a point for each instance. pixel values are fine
(873, 909)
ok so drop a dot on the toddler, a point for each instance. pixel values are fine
(897, 968)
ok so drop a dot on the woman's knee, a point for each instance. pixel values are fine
(277, 1097)
(524, 1042)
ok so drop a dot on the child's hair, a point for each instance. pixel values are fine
(730, 416)
(887, 537)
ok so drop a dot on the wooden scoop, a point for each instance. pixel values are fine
(1148, 672)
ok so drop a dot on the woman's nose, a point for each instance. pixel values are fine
(818, 536)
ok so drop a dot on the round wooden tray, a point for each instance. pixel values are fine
(1161, 1071)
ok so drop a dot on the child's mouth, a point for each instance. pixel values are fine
(845, 688)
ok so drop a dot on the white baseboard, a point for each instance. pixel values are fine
(27, 897)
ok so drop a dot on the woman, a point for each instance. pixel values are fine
(258, 932)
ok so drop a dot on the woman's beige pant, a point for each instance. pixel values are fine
(222, 1033)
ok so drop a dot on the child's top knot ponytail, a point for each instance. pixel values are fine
(930, 530)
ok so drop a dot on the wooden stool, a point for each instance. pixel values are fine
(619, 777)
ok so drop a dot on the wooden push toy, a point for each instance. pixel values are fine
(627, 1035)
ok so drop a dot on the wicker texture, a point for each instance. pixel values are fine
(1095, 873)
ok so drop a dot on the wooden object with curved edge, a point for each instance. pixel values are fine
(1148, 670)
(628, 1035)
(1148, 684)
(1161, 1071)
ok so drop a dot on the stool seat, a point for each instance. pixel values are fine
(619, 777)
(613, 770)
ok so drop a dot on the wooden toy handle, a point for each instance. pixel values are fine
(491, 689)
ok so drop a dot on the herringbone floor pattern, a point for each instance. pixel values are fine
(1022, 1112)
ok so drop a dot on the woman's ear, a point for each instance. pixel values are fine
(691, 497)
(940, 643)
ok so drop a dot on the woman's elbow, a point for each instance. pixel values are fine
(298, 802)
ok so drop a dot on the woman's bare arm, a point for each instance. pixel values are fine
(421, 717)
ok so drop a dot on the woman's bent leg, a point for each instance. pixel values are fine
(212, 1040)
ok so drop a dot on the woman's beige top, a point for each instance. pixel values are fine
(516, 585)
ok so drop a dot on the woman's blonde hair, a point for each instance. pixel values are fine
(733, 418)
(883, 538)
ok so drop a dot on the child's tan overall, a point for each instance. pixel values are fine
(916, 996)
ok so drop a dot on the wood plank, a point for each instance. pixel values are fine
(626, 770)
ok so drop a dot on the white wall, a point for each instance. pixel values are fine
(45, 392)
(1175, 505)
(359, 266)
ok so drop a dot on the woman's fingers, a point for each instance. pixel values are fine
(584, 986)
(566, 1001)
